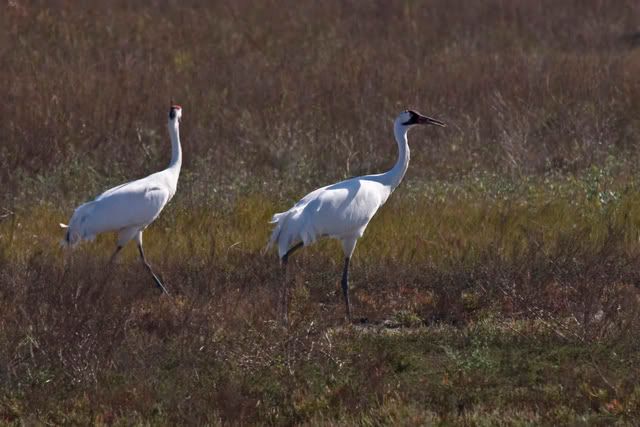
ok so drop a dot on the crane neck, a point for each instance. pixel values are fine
(393, 177)
(176, 149)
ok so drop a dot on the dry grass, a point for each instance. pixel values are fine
(268, 88)
(499, 284)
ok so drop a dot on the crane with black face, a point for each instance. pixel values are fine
(343, 210)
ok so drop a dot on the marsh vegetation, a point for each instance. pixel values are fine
(499, 284)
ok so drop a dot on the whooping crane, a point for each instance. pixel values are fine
(129, 208)
(342, 211)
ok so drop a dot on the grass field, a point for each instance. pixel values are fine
(500, 284)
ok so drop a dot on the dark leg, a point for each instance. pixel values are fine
(110, 264)
(285, 258)
(118, 249)
(89, 292)
(148, 267)
(284, 304)
(284, 299)
(345, 286)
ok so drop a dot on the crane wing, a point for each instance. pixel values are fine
(343, 208)
(125, 206)
(339, 210)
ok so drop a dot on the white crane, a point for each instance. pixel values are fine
(342, 211)
(129, 208)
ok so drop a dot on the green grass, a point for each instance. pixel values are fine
(487, 300)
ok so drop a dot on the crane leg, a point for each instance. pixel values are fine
(113, 257)
(284, 303)
(106, 278)
(294, 248)
(345, 286)
(148, 267)
(284, 298)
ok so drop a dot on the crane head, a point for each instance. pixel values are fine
(175, 112)
(410, 118)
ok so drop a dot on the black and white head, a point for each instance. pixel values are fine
(410, 118)
(175, 113)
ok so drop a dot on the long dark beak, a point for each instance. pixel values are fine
(424, 120)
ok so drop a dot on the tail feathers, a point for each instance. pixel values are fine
(289, 230)
(279, 219)
(77, 229)
(72, 237)
(276, 218)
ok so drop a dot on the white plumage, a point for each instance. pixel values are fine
(129, 208)
(126, 209)
(342, 211)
